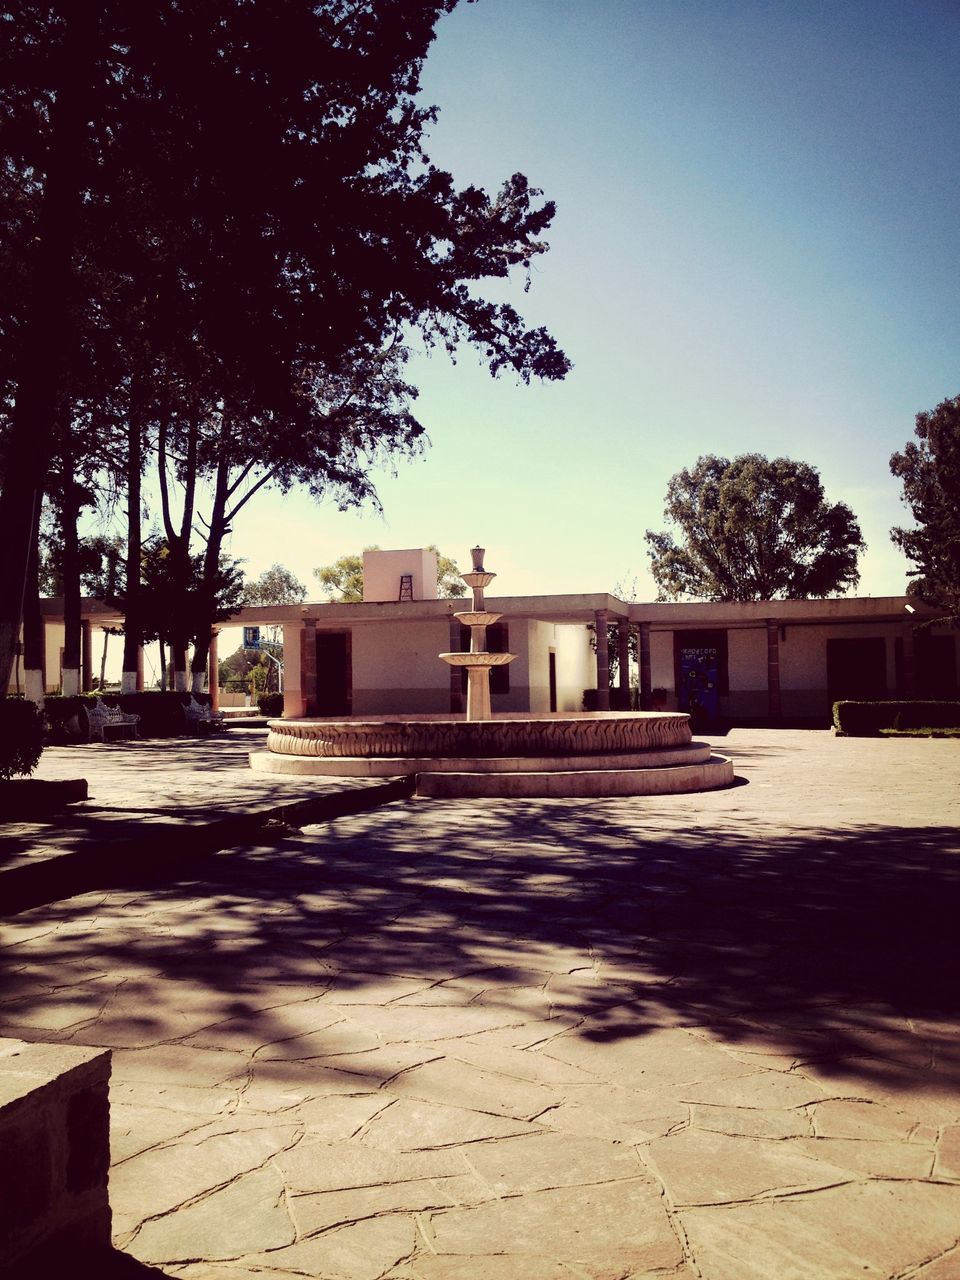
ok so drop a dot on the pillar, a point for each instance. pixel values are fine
(773, 669)
(909, 669)
(646, 677)
(603, 661)
(623, 662)
(213, 672)
(456, 673)
(299, 668)
(86, 656)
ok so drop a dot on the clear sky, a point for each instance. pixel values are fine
(756, 249)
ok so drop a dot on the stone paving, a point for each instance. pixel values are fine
(705, 1036)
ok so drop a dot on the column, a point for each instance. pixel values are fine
(213, 672)
(603, 661)
(623, 662)
(294, 703)
(86, 656)
(773, 669)
(456, 673)
(909, 668)
(646, 678)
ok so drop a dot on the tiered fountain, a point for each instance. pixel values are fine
(600, 753)
(478, 662)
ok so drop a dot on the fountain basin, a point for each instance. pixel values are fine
(516, 735)
(515, 755)
(477, 659)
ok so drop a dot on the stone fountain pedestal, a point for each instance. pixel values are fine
(478, 663)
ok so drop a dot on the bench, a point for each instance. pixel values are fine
(107, 723)
(201, 719)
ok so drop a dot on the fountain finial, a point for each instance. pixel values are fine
(476, 554)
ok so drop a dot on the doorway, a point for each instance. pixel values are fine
(552, 678)
(334, 674)
(856, 668)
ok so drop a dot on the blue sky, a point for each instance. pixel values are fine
(755, 249)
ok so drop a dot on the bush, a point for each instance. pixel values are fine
(270, 704)
(59, 711)
(161, 714)
(21, 736)
(867, 719)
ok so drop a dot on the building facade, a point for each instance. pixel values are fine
(782, 661)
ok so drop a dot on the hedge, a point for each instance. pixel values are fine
(270, 704)
(161, 714)
(866, 719)
(21, 736)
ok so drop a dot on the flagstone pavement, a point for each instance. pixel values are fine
(707, 1036)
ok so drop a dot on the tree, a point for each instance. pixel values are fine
(275, 585)
(929, 470)
(236, 202)
(343, 580)
(753, 529)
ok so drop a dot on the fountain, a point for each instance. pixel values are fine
(599, 753)
(478, 662)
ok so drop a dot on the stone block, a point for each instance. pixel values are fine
(54, 1153)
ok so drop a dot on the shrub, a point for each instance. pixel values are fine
(21, 736)
(59, 711)
(867, 719)
(161, 714)
(270, 704)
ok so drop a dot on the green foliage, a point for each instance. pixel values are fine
(275, 585)
(867, 719)
(343, 580)
(753, 529)
(270, 704)
(21, 737)
(929, 470)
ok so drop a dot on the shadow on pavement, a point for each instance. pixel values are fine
(831, 945)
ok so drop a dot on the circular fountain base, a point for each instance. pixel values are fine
(570, 754)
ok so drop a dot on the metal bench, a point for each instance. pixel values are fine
(108, 723)
(201, 719)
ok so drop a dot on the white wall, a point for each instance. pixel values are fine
(396, 667)
(576, 666)
(382, 571)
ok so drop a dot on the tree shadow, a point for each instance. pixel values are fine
(828, 945)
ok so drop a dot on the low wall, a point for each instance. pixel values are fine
(54, 1155)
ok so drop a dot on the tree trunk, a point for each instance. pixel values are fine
(163, 664)
(44, 340)
(103, 659)
(133, 620)
(33, 628)
(72, 625)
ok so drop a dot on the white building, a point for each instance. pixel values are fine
(784, 660)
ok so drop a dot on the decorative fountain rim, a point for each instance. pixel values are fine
(563, 734)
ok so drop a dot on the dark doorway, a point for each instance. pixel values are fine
(936, 666)
(856, 668)
(552, 677)
(700, 668)
(334, 676)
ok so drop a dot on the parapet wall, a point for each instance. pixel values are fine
(54, 1156)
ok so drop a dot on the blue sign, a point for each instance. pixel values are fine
(251, 637)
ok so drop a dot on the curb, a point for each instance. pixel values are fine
(129, 860)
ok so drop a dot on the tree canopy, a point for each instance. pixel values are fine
(929, 470)
(221, 233)
(753, 529)
(342, 581)
(276, 585)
